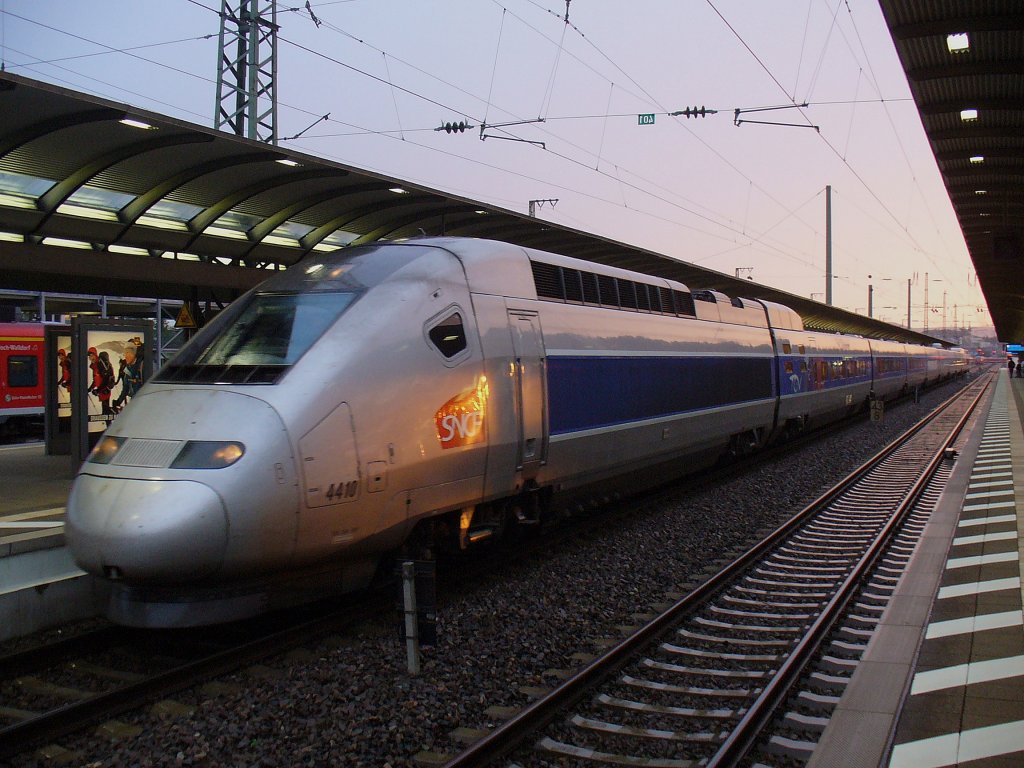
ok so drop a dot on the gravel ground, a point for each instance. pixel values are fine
(349, 701)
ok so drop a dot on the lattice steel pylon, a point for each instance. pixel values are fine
(247, 69)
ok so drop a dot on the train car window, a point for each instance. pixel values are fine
(684, 303)
(22, 371)
(546, 280)
(609, 291)
(803, 366)
(643, 298)
(449, 335)
(665, 300)
(800, 349)
(591, 294)
(789, 366)
(573, 287)
(786, 348)
(627, 294)
(704, 296)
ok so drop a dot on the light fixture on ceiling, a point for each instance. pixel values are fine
(968, 115)
(958, 42)
(64, 242)
(977, 159)
(137, 124)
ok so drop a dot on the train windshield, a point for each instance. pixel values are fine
(275, 329)
(260, 336)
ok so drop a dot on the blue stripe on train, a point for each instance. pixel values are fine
(590, 392)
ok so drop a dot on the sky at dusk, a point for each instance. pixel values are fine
(747, 197)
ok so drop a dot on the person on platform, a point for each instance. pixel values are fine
(64, 370)
(102, 378)
(130, 376)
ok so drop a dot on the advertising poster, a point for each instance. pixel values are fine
(63, 369)
(112, 375)
(110, 360)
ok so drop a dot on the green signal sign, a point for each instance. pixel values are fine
(645, 119)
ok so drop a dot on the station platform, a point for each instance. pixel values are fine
(40, 585)
(942, 679)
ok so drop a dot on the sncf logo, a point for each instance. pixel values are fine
(460, 421)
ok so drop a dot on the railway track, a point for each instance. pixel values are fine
(56, 689)
(702, 684)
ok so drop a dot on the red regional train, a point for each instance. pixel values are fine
(22, 397)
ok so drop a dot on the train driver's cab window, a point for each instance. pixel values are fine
(275, 328)
(449, 335)
(22, 371)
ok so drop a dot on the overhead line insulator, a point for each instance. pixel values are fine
(458, 127)
(694, 112)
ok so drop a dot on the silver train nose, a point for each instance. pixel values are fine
(147, 530)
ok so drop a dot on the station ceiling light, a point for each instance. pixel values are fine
(137, 124)
(958, 42)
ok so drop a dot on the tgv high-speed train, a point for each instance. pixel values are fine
(428, 393)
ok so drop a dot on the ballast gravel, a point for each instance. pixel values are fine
(350, 701)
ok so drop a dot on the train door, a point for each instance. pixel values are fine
(330, 478)
(529, 387)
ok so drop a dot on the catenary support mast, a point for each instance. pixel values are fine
(247, 69)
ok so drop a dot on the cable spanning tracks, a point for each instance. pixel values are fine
(50, 691)
(700, 685)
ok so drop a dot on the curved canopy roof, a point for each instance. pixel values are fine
(100, 197)
(969, 90)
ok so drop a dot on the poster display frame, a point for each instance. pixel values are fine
(57, 432)
(105, 335)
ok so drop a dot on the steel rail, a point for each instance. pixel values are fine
(510, 734)
(16, 738)
(752, 724)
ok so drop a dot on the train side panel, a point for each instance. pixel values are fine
(21, 370)
(821, 377)
(630, 389)
(408, 394)
(889, 368)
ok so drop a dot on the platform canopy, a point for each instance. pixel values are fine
(965, 65)
(100, 197)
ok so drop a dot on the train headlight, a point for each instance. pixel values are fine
(208, 454)
(105, 450)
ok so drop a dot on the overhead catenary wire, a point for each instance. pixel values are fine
(718, 222)
(867, 187)
(565, 25)
(718, 217)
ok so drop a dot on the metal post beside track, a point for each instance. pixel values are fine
(412, 635)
